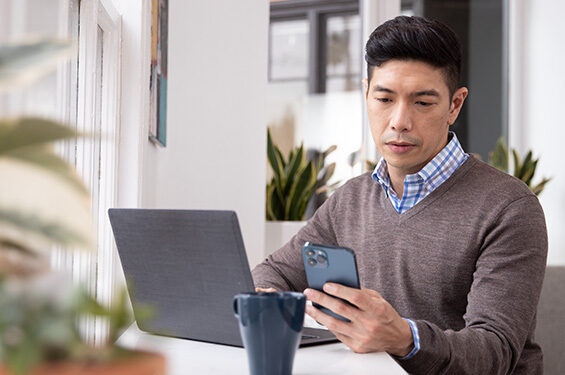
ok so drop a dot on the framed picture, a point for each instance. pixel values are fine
(159, 76)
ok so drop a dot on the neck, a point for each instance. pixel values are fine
(397, 180)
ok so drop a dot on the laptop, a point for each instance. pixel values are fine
(186, 265)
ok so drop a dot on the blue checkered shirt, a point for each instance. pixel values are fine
(417, 186)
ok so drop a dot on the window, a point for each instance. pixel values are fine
(315, 41)
(96, 154)
(482, 29)
(315, 61)
(84, 93)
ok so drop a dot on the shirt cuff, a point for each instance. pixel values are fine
(416, 338)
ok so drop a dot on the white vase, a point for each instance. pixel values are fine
(278, 233)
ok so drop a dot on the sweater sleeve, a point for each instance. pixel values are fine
(502, 301)
(284, 270)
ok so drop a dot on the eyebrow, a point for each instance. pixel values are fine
(431, 92)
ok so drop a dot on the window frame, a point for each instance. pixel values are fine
(317, 13)
(98, 118)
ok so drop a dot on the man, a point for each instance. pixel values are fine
(451, 252)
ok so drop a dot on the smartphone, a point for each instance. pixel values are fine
(325, 263)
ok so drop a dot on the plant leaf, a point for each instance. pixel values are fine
(370, 165)
(328, 173)
(354, 158)
(294, 165)
(24, 62)
(517, 165)
(525, 165)
(273, 156)
(529, 172)
(539, 187)
(300, 189)
(46, 159)
(52, 232)
(280, 156)
(31, 131)
(330, 149)
(275, 159)
(499, 157)
(275, 210)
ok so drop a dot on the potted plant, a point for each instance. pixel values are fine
(295, 182)
(44, 203)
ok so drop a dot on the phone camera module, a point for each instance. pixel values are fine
(310, 253)
(312, 262)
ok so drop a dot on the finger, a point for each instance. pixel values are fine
(337, 306)
(335, 325)
(265, 290)
(357, 297)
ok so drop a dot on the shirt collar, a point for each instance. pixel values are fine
(433, 173)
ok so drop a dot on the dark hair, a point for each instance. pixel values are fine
(416, 38)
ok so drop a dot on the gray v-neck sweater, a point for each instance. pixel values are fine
(466, 264)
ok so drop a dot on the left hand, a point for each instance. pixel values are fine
(375, 325)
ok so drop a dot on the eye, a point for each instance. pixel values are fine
(384, 100)
(424, 104)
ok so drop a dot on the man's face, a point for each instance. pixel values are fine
(410, 112)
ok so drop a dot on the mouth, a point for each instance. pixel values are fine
(399, 146)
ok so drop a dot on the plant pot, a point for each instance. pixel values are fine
(138, 363)
(278, 233)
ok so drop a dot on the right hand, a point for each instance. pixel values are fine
(266, 290)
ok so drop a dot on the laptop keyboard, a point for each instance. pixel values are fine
(307, 337)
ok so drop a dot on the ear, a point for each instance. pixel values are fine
(366, 85)
(456, 103)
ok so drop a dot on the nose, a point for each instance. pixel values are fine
(401, 120)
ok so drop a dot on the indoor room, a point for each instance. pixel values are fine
(168, 168)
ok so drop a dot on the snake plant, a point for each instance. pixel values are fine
(294, 181)
(523, 169)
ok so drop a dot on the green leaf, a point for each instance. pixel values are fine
(44, 158)
(354, 158)
(526, 165)
(302, 187)
(277, 164)
(280, 156)
(273, 155)
(25, 62)
(294, 165)
(529, 171)
(370, 165)
(330, 149)
(328, 173)
(539, 187)
(49, 231)
(30, 131)
(120, 315)
(499, 157)
(517, 165)
(275, 209)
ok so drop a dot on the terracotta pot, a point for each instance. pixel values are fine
(140, 363)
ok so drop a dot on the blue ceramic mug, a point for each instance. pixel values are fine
(270, 325)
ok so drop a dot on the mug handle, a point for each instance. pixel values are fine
(235, 312)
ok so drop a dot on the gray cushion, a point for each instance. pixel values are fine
(550, 330)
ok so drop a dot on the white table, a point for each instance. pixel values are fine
(193, 357)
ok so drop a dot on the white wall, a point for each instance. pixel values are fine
(216, 131)
(537, 118)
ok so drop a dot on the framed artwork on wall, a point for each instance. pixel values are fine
(159, 76)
